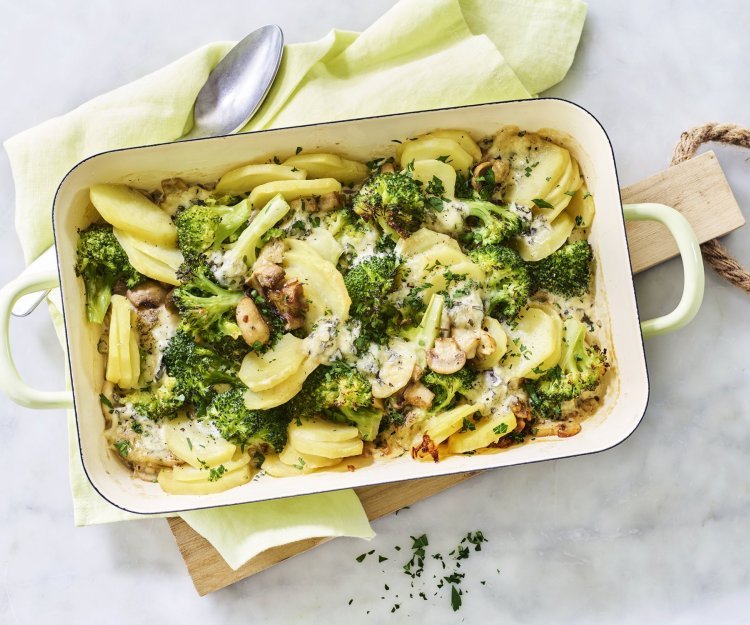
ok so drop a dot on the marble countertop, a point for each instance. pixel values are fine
(653, 531)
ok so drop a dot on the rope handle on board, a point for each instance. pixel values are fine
(714, 252)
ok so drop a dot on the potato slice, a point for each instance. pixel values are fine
(294, 457)
(232, 479)
(322, 284)
(292, 189)
(328, 449)
(193, 442)
(153, 261)
(186, 473)
(434, 148)
(274, 467)
(323, 242)
(545, 240)
(441, 426)
(131, 211)
(263, 371)
(463, 139)
(495, 330)
(282, 392)
(536, 165)
(321, 431)
(487, 431)
(423, 240)
(534, 338)
(426, 170)
(329, 166)
(248, 177)
(581, 208)
(563, 192)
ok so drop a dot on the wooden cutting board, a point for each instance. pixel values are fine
(697, 188)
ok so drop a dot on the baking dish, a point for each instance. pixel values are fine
(204, 160)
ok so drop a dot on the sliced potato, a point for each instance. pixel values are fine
(534, 338)
(324, 243)
(192, 442)
(435, 148)
(123, 358)
(322, 284)
(232, 479)
(282, 392)
(563, 192)
(321, 431)
(153, 261)
(426, 170)
(545, 240)
(274, 467)
(487, 431)
(293, 189)
(187, 473)
(463, 139)
(330, 449)
(581, 208)
(441, 426)
(132, 212)
(248, 177)
(396, 372)
(495, 330)
(329, 166)
(423, 240)
(293, 457)
(537, 165)
(263, 371)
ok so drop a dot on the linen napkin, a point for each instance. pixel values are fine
(418, 55)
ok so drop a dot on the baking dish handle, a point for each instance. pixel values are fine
(692, 263)
(41, 275)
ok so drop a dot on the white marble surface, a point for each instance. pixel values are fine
(653, 531)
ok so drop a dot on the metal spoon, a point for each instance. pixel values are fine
(238, 84)
(233, 92)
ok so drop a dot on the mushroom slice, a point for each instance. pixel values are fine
(417, 394)
(147, 295)
(468, 340)
(253, 327)
(446, 356)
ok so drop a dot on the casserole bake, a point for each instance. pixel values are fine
(206, 160)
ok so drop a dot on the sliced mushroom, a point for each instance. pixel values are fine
(290, 302)
(417, 394)
(501, 169)
(394, 375)
(481, 168)
(446, 356)
(387, 168)
(272, 252)
(487, 344)
(329, 202)
(309, 204)
(252, 325)
(467, 340)
(147, 295)
(266, 275)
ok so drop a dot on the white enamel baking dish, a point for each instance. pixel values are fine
(204, 160)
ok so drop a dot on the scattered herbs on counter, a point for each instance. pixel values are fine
(414, 567)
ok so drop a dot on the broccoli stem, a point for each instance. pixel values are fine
(244, 248)
(423, 336)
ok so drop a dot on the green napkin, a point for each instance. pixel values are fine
(418, 55)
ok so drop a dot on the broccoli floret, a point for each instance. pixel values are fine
(205, 226)
(369, 284)
(566, 272)
(394, 200)
(508, 285)
(163, 398)
(447, 386)
(101, 263)
(580, 369)
(244, 250)
(496, 223)
(242, 426)
(197, 369)
(207, 309)
(340, 393)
